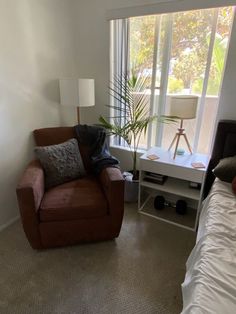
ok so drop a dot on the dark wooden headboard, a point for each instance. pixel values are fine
(224, 146)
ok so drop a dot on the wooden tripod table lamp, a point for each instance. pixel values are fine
(77, 93)
(182, 107)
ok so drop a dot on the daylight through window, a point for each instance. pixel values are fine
(181, 53)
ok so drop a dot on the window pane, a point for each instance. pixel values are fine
(190, 45)
(207, 124)
(189, 55)
(161, 33)
(220, 48)
(142, 44)
(142, 30)
(225, 18)
(189, 52)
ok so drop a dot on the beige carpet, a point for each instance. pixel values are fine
(138, 273)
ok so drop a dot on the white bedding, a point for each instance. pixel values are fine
(210, 281)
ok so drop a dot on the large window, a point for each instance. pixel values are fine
(183, 53)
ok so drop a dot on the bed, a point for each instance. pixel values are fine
(210, 281)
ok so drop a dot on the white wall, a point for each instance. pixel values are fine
(37, 47)
(93, 57)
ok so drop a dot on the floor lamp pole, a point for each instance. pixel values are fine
(78, 115)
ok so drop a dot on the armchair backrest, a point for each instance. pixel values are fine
(57, 135)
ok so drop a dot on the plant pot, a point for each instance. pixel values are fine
(131, 188)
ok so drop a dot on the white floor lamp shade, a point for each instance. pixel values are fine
(77, 93)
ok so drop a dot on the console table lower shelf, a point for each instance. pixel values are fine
(169, 215)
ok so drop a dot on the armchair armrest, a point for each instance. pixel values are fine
(113, 186)
(30, 191)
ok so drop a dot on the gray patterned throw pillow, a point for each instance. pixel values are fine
(61, 162)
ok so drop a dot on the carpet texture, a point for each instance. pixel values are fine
(138, 273)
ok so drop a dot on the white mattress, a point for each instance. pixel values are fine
(210, 281)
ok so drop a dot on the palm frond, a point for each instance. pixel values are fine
(131, 116)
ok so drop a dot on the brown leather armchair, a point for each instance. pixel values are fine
(83, 210)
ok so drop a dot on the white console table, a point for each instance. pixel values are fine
(180, 173)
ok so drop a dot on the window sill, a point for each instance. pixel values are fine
(123, 148)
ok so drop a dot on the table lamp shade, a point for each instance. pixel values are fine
(183, 107)
(77, 92)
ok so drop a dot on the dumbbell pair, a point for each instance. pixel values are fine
(161, 203)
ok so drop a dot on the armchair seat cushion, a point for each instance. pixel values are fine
(78, 199)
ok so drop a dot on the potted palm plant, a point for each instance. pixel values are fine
(130, 120)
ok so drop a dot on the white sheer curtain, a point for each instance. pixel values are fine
(119, 61)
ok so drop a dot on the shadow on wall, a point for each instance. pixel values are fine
(25, 155)
(51, 91)
(12, 166)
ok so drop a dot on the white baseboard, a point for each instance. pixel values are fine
(10, 222)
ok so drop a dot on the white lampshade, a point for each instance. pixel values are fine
(183, 106)
(77, 92)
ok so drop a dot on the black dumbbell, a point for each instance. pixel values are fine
(181, 207)
(159, 202)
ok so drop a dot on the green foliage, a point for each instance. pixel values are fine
(217, 65)
(142, 42)
(174, 85)
(132, 109)
(190, 46)
(197, 86)
(190, 43)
